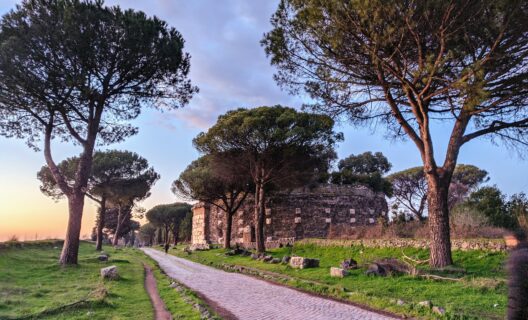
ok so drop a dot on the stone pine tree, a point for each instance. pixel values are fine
(410, 64)
(212, 180)
(127, 225)
(409, 187)
(78, 71)
(278, 146)
(147, 233)
(109, 168)
(126, 193)
(169, 217)
(367, 168)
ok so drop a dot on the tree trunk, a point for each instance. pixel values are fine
(438, 206)
(227, 231)
(118, 227)
(74, 193)
(167, 235)
(100, 225)
(70, 249)
(175, 233)
(259, 220)
(159, 233)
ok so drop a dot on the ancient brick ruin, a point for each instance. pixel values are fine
(302, 213)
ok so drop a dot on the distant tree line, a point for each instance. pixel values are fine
(167, 223)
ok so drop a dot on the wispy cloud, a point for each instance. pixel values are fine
(228, 63)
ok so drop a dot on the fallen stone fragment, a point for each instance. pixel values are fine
(425, 303)
(400, 302)
(275, 260)
(303, 263)
(338, 272)
(267, 258)
(387, 267)
(110, 273)
(254, 256)
(375, 269)
(286, 259)
(102, 257)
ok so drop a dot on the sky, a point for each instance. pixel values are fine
(230, 68)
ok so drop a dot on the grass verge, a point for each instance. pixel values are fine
(480, 294)
(34, 286)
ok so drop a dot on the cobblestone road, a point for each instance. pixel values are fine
(252, 299)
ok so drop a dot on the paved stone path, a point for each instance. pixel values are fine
(249, 298)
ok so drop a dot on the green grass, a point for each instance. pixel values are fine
(178, 307)
(33, 285)
(481, 294)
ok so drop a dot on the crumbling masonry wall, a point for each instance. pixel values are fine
(301, 213)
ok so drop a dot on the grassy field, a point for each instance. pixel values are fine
(34, 286)
(480, 293)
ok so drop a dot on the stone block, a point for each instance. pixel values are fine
(303, 263)
(338, 272)
(110, 273)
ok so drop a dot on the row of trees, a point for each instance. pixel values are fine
(257, 151)
(118, 180)
(165, 220)
(78, 71)
(408, 65)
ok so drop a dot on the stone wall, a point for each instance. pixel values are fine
(301, 213)
(199, 227)
(494, 245)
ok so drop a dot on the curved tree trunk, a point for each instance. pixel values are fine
(100, 225)
(70, 249)
(439, 224)
(75, 193)
(227, 231)
(259, 220)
